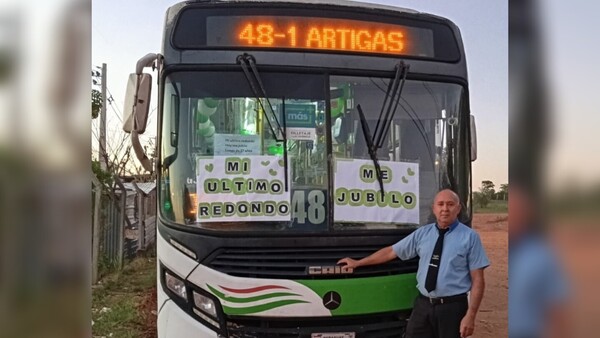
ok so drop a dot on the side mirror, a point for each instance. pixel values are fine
(473, 131)
(137, 103)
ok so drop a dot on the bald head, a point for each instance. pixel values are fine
(447, 193)
(446, 207)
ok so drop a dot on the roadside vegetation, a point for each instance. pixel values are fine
(488, 200)
(123, 303)
(493, 207)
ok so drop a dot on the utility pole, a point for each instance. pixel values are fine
(103, 157)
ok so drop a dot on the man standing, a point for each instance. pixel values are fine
(451, 263)
(538, 290)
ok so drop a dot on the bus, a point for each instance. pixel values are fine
(292, 134)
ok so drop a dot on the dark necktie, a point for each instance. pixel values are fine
(434, 263)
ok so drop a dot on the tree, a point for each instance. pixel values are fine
(503, 192)
(487, 188)
(481, 199)
(485, 194)
(96, 103)
(104, 177)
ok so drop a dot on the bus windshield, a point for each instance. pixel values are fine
(225, 169)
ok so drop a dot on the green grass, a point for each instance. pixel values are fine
(116, 300)
(492, 207)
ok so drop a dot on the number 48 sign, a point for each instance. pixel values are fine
(309, 208)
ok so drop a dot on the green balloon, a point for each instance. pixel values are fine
(201, 118)
(210, 102)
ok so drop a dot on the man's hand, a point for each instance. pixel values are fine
(351, 263)
(384, 255)
(467, 325)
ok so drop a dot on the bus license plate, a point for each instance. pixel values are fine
(333, 335)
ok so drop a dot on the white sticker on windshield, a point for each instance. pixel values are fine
(358, 197)
(301, 134)
(236, 145)
(242, 189)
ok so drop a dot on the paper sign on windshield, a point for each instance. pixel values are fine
(358, 197)
(236, 145)
(242, 189)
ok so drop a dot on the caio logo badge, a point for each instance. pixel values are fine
(329, 270)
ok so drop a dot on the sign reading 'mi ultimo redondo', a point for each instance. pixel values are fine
(247, 188)
(252, 188)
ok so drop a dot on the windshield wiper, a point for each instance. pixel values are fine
(375, 142)
(394, 93)
(248, 64)
(371, 147)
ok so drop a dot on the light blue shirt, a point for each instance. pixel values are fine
(462, 253)
(536, 284)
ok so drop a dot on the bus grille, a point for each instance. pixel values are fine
(380, 326)
(293, 263)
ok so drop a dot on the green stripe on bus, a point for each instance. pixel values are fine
(368, 295)
(249, 299)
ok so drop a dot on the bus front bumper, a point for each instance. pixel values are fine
(174, 323)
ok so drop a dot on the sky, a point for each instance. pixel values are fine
(570, 35)
(124, 31)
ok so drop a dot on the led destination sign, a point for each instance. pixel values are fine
(318, 34)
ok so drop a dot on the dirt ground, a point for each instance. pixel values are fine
(149, 312)
(576, 245)
(492, 320)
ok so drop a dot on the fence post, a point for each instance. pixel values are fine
(96, 227)
(142, 232)
(121, 225)
(142, 204)
(141, 217)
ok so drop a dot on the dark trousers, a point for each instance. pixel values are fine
(436, 320)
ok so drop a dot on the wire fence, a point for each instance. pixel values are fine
(124, 223)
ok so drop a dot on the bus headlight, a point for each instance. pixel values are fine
(205, 304)
(206, 308)
(176, 285)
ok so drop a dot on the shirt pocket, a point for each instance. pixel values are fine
(458, 259)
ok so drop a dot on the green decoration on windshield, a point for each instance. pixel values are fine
(275, 150)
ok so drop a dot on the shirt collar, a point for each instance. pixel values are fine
(452, 226)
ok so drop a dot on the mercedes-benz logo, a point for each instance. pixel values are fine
(332, 300)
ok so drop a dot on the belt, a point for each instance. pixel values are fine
(444, 300)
